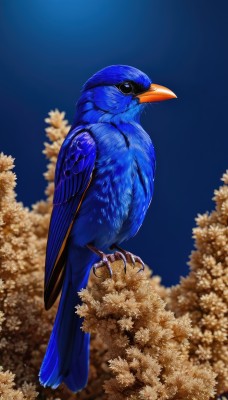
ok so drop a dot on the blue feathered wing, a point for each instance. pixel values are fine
(72, 178)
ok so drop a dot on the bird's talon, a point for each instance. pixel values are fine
(103, 263)
(107, 259)
(95, 267)
(130, 258)
(140, 261)
(120, 256)
(109, 270)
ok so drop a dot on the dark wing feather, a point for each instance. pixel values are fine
(73, 175)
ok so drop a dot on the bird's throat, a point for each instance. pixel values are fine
(89, 113)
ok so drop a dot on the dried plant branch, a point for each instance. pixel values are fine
(147, 347)
(203, 295)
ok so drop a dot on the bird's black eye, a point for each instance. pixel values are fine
(126, 87)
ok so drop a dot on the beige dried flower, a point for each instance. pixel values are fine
(18, 273)
(144, 341)
(203, 295)
(8, 391)
(25, 326)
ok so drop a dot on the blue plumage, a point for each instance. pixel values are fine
(103, 186)
(73, 173)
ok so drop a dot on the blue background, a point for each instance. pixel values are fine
(49, 48)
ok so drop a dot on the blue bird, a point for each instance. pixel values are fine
(104, 183)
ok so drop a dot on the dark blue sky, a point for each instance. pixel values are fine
(49, 48)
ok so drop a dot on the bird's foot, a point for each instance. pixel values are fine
(131, 258)
(107, 260)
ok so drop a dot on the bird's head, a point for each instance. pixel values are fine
(118, 92)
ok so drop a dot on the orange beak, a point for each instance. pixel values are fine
(156, 93)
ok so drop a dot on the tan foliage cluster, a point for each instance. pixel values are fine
(8, 392)
(18, 288)
(148, 346)
(25, 326)
(203, 295)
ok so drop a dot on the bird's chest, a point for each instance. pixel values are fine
(111, 189)
(121, 188)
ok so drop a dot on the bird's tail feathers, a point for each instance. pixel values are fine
(67, 355)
